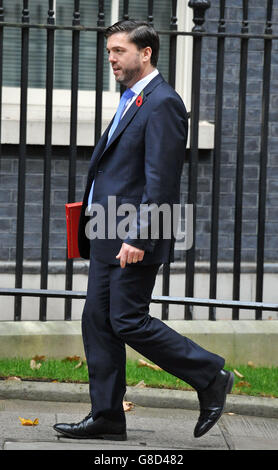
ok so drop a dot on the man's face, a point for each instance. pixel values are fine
(126, 60)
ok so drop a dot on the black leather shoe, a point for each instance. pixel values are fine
(88, 428)
(212, 402)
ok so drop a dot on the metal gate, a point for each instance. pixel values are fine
(198, 33)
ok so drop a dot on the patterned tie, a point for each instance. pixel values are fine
(128, 93)
(124, 99)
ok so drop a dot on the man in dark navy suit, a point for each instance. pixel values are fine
(138, 161)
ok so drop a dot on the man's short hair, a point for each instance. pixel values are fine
(140, 33)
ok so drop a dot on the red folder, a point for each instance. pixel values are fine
(73, 211)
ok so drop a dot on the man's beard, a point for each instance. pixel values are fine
(128, 75)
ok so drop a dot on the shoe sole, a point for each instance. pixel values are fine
(228, 389)
(110, 437)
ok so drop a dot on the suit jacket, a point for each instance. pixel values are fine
(141, 164)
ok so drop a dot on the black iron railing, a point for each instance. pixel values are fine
(198, 34)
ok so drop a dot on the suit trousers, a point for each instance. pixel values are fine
(116, 313)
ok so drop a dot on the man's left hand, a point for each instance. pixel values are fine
(129, 254)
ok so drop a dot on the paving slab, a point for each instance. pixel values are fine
(250, 432)
(148, 429)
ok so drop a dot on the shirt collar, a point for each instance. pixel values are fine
(138, 86)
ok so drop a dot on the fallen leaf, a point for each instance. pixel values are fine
(140, 384)
(242, 383)
(128, 405)
(78, 365)
(39, 358)
(16, 379)
(34, 365)
(72, 358)
(238, 374)
(142, 363)
(29, 422)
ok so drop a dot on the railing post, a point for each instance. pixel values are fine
(263, 159)
(199, 10)
(150, 12)
(47, 159)
(217, 159)
(173, 46)
(22, 159)
(73, 138)
(99, 71)
(172, 82)
(240, 157)
(125, 10)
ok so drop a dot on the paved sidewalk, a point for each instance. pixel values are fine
(160, 420)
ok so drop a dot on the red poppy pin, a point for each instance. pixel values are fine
(139, 100)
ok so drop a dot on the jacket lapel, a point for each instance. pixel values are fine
(100, 147)
(127, 117)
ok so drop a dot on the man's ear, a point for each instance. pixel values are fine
(147, 53)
